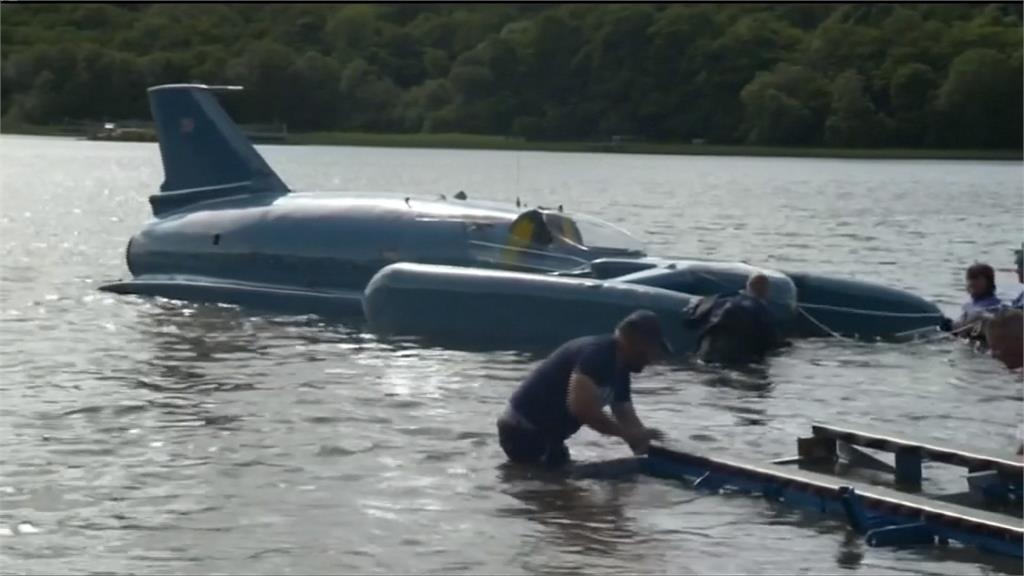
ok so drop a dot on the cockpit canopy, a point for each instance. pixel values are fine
(542, 229)
(607, 238)
(544, 240)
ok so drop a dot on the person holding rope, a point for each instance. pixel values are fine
(981, 287)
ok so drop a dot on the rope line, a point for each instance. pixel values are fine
(915, 331)
(827, 330)
(874, 312)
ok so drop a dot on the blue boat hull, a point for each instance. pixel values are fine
(227, 229)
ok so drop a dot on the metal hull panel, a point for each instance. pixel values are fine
(227, 228)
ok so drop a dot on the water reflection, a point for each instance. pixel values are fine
(740, 391)
(190, 343)
(754, 381)
(533, 350)
(851, 552)
(184, 353)
(180, 334)
(580, 516)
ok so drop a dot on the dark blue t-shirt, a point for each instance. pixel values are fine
(542, 398)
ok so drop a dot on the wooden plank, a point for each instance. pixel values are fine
(935, 453)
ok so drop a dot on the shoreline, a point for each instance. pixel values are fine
(488, 142)
(484, 142)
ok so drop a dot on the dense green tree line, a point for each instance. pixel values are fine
(936, 75)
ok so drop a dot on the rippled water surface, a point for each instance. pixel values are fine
(150, 436)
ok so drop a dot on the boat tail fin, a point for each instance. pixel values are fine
(205, 155)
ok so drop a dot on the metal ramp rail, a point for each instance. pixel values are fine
(885, 517)
(909, 455)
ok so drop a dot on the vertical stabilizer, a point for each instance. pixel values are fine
(205, 155)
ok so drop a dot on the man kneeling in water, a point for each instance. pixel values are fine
(572, 386)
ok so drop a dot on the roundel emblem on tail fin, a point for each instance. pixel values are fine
(187, 125)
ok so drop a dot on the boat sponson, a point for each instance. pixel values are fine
(510, 309)
(858, 308)
(705, 278)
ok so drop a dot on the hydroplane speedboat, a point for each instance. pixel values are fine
(227, 229)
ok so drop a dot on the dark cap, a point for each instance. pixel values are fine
(645, 324)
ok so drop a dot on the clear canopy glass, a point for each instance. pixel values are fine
(598, 235)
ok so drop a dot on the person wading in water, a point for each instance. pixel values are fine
(571, 388)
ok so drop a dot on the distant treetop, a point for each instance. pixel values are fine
(857, 75)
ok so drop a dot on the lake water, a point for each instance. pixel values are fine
(149, 436)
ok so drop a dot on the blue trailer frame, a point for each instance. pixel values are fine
(885, 517)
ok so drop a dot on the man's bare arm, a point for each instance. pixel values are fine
(584, 402)
(626, 416)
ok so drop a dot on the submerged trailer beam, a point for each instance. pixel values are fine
(881, 507)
